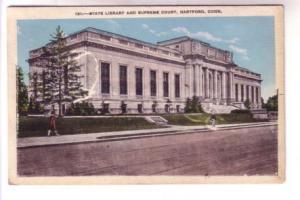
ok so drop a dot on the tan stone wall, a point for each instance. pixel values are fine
(95, 56)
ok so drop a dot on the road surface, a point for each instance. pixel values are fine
(247, 151)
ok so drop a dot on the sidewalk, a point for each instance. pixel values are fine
(122, 135)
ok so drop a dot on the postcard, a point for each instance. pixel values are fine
(146, 94)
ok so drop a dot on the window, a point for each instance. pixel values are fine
(105, 78)
(138, 45)
(242, 92)
(167, 108)
(104, 37)
(152, 49)
(247, 92)
(140, 108)
(178, 108)
(123, 107)
(153, 83)
(105, 108)
(165, 52)
(123, 79)
(177, 85)
(236, 92)
(73, 37)
(166, 84)
(123, 42)
(139, 81)
(257, 97)
(154, 108)
(252, 94)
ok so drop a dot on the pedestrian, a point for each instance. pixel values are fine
(213, 119)
(52, 124)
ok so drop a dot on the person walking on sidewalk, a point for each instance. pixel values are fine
(52, 124)
(213, 119)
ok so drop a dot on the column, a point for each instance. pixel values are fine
(231, 86)
(191, 83)
(171, 85)
(207, 83)
(224, 96)
(131, 81)
(215, 84)
(239, 92)
(114, 79)
(146, 81)
(159, 82)
(188, 81)
(197, 78)
(238, 87)
(254, 96)
(249, 91)
(245, 92)
(259, 97)
(200, 81)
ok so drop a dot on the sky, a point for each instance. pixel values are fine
(251, 39)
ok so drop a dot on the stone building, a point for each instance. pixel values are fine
(123, 74)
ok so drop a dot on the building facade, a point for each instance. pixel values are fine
(123, 74)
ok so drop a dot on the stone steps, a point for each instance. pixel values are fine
(217, 109)
(156, 120)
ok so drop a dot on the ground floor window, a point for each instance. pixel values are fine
(154, 108)
(105, 108)
(140, 108)
(123, 108)
(178, 108)
(167, 108)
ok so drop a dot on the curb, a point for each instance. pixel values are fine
(128, 136)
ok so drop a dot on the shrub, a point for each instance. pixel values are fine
(83, 108)
(240, 111)
(247, 104)
(193, 106)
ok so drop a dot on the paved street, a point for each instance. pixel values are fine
(248, 151)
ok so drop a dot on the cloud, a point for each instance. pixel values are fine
(19, 31)
(233, 40)
(210, 37)
(145, 26)
(241, 51)
(203, 35)
(152, 31)
(113, 24)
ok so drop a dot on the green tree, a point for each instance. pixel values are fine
(272, 103)
(60, 79)
(193, 105)
(22, 93)
(247, 104)
(188, 105)
(262, 102)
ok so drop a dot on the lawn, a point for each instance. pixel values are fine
(204, 119)
(38, 126)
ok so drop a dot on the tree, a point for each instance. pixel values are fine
(247, 104)
(22, 93)
(262, 102)
(272, 103)
(60, 80)
(193, 105)
(188, 105)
